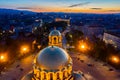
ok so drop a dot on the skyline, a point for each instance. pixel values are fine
(85, 6)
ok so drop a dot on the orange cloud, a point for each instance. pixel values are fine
(76, 10)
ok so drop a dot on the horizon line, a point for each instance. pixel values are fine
(63, 11)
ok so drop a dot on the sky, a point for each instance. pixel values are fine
(85, 6)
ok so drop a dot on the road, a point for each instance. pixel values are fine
(18, 69)
(97, 71)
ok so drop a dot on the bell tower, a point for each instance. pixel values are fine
(55, 38)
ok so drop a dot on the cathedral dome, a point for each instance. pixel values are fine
(52, 58)
(55, 33)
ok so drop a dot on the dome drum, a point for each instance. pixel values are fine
(56, 75)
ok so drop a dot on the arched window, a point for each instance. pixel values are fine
(58, 76)
(51, 76)
(64, 74)
(55, 40)
(45, 76)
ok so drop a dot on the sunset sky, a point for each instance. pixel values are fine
(86, 6)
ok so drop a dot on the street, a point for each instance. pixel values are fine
(18, 69)
(97, 71)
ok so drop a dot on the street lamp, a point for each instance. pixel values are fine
(115, 59)
(3, 57)
(24, 49)
(82, 46)
(39, 46)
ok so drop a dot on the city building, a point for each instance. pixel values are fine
(55, 38)
(113, 39)
(66, 20)
(53, 63)
(90, 31)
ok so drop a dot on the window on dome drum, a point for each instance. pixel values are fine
(55, 40)
(64, 74)
(57, 75)
(45, 76)
(51, 76)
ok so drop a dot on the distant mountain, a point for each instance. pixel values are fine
(13, 11)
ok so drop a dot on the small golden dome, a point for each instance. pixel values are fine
(55, 33)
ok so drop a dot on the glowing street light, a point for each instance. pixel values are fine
(82, 46)
(39, 46)
(24, 49)
(1, 57)
(115, 59)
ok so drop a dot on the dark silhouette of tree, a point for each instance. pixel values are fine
(76, 36)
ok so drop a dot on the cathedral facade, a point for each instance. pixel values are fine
(53, 62)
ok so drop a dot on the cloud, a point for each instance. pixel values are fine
(114, 10)
(27, 8)
(96, 8)
(24, 8)
(80, 4)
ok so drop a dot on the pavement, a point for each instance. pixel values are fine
(18, 69)
(95, 72)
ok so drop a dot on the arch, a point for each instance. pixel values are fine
(44, 75)
(55, 40)
(57, 75)
(65, 74)
(51, 76)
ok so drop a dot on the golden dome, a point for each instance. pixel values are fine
(55, 33)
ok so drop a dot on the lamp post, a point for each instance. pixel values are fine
(115, 59)
(82, 47)
(3, 59)
(24, 49)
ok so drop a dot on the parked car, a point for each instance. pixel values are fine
(82, 61)
(110, 69)
(104, 64)
(90, 64)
